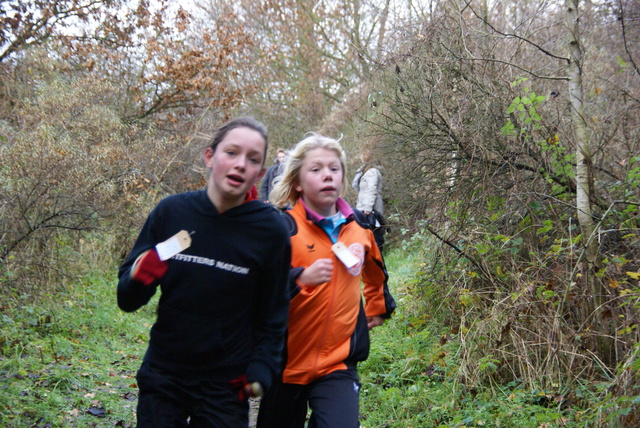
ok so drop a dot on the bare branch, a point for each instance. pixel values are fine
(516, 36)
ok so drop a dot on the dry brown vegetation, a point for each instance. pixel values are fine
(468, 111)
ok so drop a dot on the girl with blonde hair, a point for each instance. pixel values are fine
(333, 250)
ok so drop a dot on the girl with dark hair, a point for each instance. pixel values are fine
(221, 260)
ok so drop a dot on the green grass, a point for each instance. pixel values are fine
(409, 379)
(71, 360)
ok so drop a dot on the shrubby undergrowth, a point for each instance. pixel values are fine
(435, 363)
(69, 359)
(504, 318)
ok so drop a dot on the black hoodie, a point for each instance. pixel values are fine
(223, 307)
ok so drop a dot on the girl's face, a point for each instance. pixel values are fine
(236, 165)
(320, 180)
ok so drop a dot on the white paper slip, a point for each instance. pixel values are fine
(172, 246)
(346, 257)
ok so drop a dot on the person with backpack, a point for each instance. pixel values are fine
(368, 184)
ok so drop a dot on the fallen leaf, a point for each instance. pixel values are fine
(97, 411)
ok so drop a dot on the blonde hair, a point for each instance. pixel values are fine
(285, 190)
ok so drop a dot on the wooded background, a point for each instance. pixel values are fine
(508, 132)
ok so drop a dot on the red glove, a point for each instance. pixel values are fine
(246, 389)
(148, 267)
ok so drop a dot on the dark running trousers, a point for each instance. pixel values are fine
(333, 400)
(166, 401)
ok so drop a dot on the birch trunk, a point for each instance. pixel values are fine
(584, 171)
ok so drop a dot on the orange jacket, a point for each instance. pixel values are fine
(327, 326)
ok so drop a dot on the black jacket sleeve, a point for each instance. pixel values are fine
(272, 305)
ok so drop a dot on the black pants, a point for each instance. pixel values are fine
(171, 402)
(333, 400)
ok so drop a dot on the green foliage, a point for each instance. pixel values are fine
(413, 375)
(526, 123)
(496, 324)
(410, 378)
(525, 107)
(71, 359)
(415, 238)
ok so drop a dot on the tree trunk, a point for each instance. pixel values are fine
(584, 174)
(382, 35)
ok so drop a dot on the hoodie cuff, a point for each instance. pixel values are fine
(259, 372)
